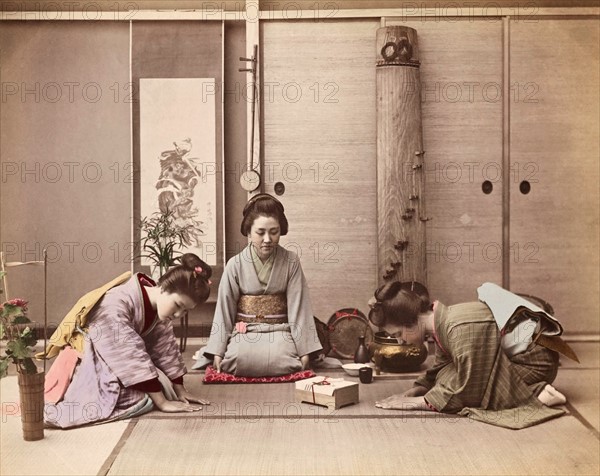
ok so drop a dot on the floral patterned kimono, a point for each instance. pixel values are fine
(263, 320)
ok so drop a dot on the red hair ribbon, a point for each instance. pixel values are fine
(322, 382)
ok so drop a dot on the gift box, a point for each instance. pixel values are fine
(330, 392)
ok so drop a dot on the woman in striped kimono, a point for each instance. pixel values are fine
(263, 324)
(471, 375)
(129, 344)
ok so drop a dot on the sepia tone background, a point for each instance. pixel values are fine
(509, 95)
(510, 104)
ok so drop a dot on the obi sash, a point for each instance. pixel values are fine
(265, 308)
(522, 322)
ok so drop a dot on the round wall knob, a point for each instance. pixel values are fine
(525, 187)
(279, 188)
(487, 187)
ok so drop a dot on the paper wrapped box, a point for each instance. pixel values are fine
(332, 393)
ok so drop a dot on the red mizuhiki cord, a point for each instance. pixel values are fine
(322, 382)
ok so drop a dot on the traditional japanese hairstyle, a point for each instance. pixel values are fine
(266, 205)
(191, 277)
(399, 303)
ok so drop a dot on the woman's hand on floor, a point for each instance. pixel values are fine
(173, 406)
(305, 359)
(416, 391)
(186, 397)
(400, 402)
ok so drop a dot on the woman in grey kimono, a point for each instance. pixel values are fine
(471, 374)
(129, 344)
(263, 324)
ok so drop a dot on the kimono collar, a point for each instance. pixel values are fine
(150, 315)
(263, 269)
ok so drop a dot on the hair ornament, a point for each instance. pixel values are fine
(376, 316)
(378, 301)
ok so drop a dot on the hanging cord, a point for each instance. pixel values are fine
(254, 99)
(45, 306)
(252, 69)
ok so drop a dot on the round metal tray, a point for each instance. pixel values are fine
(345, 327)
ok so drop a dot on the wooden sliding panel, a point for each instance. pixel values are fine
(319, 142)
(65, 157)
(554, 153)
(461, 94)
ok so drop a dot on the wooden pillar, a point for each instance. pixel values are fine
(251, 179)
(400, 168)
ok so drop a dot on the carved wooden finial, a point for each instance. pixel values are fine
(397, 46)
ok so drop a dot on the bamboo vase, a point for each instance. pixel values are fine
(31, 394)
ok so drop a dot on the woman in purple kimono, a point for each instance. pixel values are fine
(472, 375)
(263, 324)
(128, 345)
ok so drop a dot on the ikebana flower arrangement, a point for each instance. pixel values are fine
(162, 233)
(20, 339)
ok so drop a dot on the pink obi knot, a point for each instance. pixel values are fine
(241, 327)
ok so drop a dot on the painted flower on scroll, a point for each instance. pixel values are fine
(178, 179)
(20, 338)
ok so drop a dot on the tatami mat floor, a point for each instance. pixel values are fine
(259, 429)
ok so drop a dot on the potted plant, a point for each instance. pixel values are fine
(162, 234)
(20, 341)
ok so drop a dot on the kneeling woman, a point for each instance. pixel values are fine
(128, 343)
(471, 375)
(263, 324)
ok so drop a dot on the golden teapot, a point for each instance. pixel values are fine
(390, 355)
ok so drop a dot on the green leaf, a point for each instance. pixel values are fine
(154, 249)
(28, 337)
(29, 366)
(153, 258)
(22, 319)
(162, 233)
(3, 367)
(10, 310)
(1, 331)
(18, 349)
(30, 340)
